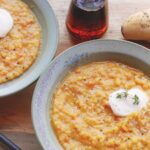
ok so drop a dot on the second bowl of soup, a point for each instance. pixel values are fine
(95, 96)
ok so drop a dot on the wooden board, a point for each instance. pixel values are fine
(15, 110)
(26, 141)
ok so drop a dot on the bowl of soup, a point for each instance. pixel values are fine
(28, 41)
(95, 96)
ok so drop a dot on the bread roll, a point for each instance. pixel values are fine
(137, 26)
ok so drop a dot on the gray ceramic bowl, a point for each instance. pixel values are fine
(48, 22)
(98, 50)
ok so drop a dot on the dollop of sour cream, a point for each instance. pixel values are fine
(6, 22)
(123, 102)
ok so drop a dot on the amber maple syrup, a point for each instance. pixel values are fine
(87, 19)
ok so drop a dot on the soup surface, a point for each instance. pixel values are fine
(82, 118)
(19, 49)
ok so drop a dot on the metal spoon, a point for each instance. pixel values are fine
(8, 143)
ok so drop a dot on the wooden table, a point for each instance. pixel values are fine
(15, 110)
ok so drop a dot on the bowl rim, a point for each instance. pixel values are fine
(37, 87)
(49, 59)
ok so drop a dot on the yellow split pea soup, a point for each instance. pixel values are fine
(20, 48)
(82, 118)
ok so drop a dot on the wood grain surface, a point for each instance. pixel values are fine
(15, 110)
(25, 141)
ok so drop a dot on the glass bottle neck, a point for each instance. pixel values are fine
(90, 4)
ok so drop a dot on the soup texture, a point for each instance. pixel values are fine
(82, 118)
(19, 49)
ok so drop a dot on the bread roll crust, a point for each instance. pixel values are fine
(137, 26)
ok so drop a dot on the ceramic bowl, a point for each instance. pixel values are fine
(49, 25)
(98, 50)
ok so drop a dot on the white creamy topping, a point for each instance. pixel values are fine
(6, 22)
(123, 102)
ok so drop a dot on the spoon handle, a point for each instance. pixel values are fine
(8, 143)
